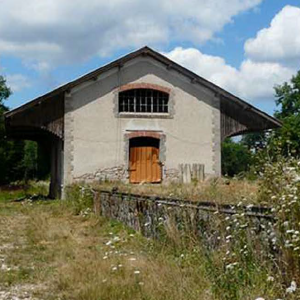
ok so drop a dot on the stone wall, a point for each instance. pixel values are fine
(171, 175)
(153, 215)
(118, 173)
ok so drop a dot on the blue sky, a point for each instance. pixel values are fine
(244, 46)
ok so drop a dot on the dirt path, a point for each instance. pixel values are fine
(49, 253)
(14, 277)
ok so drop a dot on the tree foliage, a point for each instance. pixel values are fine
(288, 103)
(18, 158)
(255, 141)
(236, 158)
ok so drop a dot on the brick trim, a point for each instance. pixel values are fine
(144, 85)
(144, 133)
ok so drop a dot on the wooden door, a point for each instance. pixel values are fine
(144, 165)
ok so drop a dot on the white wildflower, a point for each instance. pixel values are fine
(231, 266)
(297, 178)
(136, 272)
(292, 288)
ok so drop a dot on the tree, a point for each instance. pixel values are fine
(236, 158)
(30, 160)
(254, 141)
(18, 158)
(288, 102)
(5, 91)
(10, 152)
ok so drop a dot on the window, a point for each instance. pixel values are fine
(143, 101)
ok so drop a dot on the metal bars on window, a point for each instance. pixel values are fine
(143, 101)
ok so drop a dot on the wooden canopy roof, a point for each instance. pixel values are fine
(46, 112)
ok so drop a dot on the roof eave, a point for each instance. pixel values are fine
(171, 64)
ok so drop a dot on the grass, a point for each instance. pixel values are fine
(20, 190)
(67, 256)
(221, 191)
(51, 250)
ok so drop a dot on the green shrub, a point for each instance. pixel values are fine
(79, 198)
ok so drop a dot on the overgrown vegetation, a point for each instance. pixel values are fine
(60, 249)
(221, 191)
(250, 260)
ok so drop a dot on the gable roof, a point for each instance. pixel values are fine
(146, 51)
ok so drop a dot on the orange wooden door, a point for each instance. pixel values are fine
(144, 165)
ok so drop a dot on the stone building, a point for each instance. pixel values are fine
(135, 119)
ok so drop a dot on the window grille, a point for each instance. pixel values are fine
(143, 101)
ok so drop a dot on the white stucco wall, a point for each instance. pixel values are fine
(94, 134)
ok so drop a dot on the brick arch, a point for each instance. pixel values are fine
(143, 85)
(145, 133)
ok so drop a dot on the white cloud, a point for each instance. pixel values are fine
(17, 82)
(280, 41)
(271, 58)
(62, 31)
(252, 80)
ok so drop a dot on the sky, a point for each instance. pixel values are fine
(244, 46)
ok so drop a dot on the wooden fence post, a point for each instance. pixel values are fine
(97, 202)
